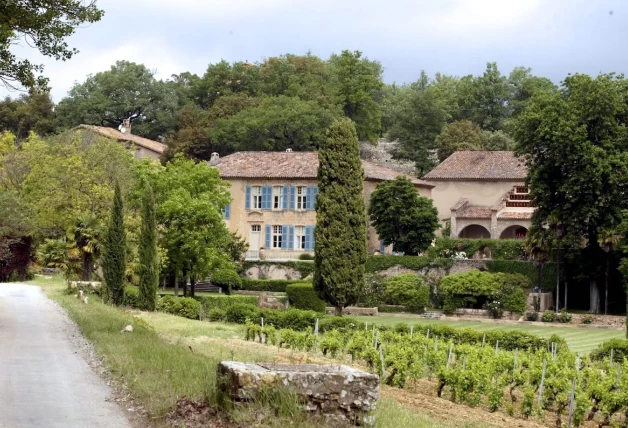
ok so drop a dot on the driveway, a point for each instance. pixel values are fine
(45, 380)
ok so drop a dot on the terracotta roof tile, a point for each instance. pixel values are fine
(474, 212)
(525, 215)
(293, 165)
(479, 166)
(135, 139)
(461, 203)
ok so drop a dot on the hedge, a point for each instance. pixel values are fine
(380, 263)
(305, 268)
(276, 285)
(408, 290)
(529, 269)
(619, 347)
(182, 306)
(223, 302)
(227, 280)
(303, 296)
(503, 249)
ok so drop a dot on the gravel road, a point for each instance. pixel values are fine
(45, 378)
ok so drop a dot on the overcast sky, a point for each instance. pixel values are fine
(553, 37)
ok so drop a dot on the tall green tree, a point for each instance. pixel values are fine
(115, 93)
(44, 25)
(114, 251)
(459, 135)
(148, 259)
(402, 217)
(575, 143)
(358, 86)
(33, 112)
(622, 230)
(341, 226)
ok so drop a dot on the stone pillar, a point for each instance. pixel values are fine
(454, 226)
(494, 230)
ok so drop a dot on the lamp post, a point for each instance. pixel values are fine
(559, 230)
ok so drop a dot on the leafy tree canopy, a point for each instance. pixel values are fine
(33, 112)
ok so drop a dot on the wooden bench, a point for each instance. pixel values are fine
(207, 287)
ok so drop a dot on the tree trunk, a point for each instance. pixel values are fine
(566, 289)
(594, 297)
(192, 287)
(176, 286)
(606, 286)
(87, 267)
(338, 311)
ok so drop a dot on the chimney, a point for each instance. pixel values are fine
(214, 159)
(126, 125)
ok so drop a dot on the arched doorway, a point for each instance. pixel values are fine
(514, 232)
(474, 231)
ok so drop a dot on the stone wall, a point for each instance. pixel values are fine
(272, 271)
(352, 310)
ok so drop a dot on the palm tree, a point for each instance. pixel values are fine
(85, 238)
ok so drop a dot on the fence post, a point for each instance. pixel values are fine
(428, 333)
(316, 327)
(497, 347)
(262, 322)
(381, 357)
(451, 348)
(542, 383)
(483, 339)
(571, 401)
(436, 344)
(411, 331)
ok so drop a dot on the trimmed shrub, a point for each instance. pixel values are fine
(275, 285)
(408, 290)
(182, 306)
(227, 280)
(223, 302)
(528, 269)
(619, 347)
(303, 296)
(131, 296)
(306, 256)
(341, 324)
(240, 312)
(548, 316)
(532, 316)
(216, 314)
(564, 317)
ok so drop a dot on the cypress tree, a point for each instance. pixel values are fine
(341, 225)
(149, 268)
(114, 251)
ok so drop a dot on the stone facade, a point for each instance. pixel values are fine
(340, 394)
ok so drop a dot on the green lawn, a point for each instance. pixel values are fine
(579, 339)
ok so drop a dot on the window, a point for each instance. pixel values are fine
(256, 228)
(256, 197)
(278, 197)
(299, 237)
(277, 237)
(301, 198)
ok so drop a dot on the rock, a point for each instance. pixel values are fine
(339, 393)
(127, 329)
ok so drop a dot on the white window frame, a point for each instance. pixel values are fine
(301, 198)
(256, 228)
(299, 237)
(256, 197)
(278, 197)
(276, 236)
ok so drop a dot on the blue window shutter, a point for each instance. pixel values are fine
(313, 238)
(268, 227)
(291, 237)
(284, 237)
(247, 198)
(314, 194)
(308, 238)
(293, 192)
(382, 249)
(308, 195)
(267, 193)
(228, 211)
(284, 204)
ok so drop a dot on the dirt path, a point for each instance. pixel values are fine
(45, 378)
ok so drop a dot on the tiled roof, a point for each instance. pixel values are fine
(479, 166)
(461, 203)
(135, 139)
(513, 215)
(474, 212)
(293, 165)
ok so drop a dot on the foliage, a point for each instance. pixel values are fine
(52, 253)
(115, 94)
(341, 226)
(548, 316)
(408, 290)
(303, 296)
(274, 285)
(236, 247)
(495, 308)
(306, 256)
(574, 144)
(528, 269)
(85, 241)
(227, 279)
(216, 314)
(402, 217)
(43, 28)
(373, 291)
(241, 312)
(564, 317)
(114, 252)
(502, 249)
(182, 306)
(587, 319)
(223, 301)
(619, 347)
(32, 112)
(383, 262)
(459, 135)
(148, 257)
(131, 297)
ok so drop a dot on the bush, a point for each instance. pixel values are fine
(240, 312)
(495, 308)
(532, 316)
(619, 347)
(227, 280)
(549, 316)
(182, 306)
(503, 249)
(216, 314)
(131, 296)
(274, 285)
(564, 317)
(223, 302)
(373, 292)
(408, 290)
(303, 296)
(341, 324)
(306, 256)
(526, 268)
(587, 319)
(512, 295)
